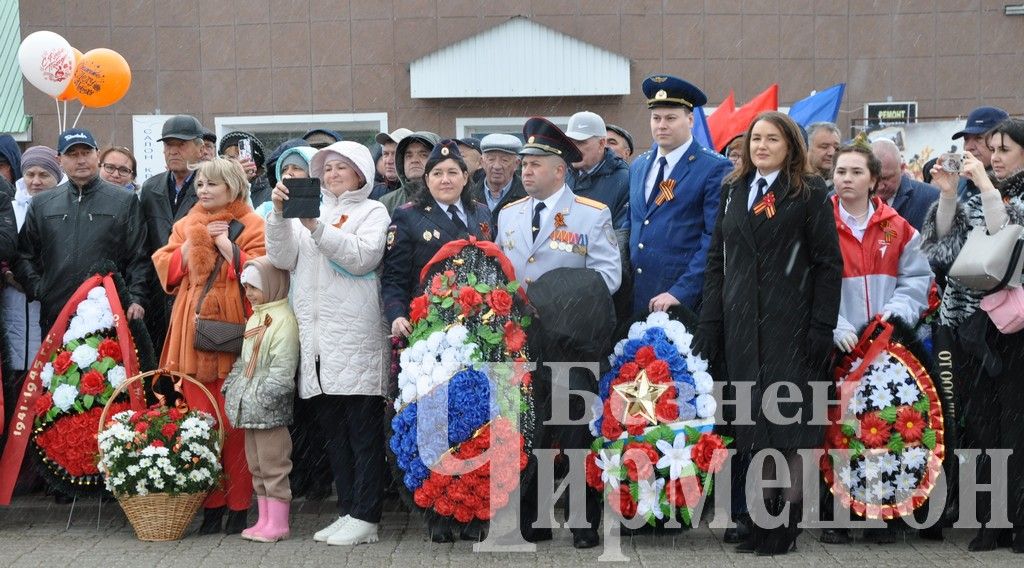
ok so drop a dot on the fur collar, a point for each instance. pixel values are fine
(1012, 186)
(202, 254)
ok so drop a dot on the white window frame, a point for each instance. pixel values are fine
(468, 126)
(345, 122)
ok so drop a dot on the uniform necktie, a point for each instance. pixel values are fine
(535, 227)
(762, 184)
(454, 211)
(657, 181)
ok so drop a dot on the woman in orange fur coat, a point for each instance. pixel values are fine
(220, 227)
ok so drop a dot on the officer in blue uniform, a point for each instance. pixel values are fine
(444, 211)
(674, 190)
(553, 228)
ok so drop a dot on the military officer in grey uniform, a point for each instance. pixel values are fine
(554, 228)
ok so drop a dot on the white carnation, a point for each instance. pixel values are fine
(706, 406)
(703, 383)
(457, 335)
(46, 375)
(637, 330)
(64, 396)
(97, 293)
(658, 319)
(84, 356)
(117, 376)
(434, 341)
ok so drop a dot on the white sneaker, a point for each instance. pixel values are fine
(323, 534)
(353, 532)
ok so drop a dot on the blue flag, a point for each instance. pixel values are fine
(819, 107)
(700, 128)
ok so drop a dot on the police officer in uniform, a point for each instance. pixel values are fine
(554, 228)
(674, 191)
(444, 211)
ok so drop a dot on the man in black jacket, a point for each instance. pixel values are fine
(73, 227)
(501, 184)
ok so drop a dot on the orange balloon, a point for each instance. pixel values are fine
(102, 78)
(70, 93)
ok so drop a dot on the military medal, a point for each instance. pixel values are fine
(437, 234)
(766, 206)
(427, 236)
(666, 191)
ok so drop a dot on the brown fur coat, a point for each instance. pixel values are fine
(224, 302)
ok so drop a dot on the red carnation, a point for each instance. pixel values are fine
(636, 425)
(645, 356)
(169, 430)
(910, 424)
(874, 430)
(92, 383)
(469, 299)
(639, 459)
(500, 301)
(174, 414)
(683, 492)
(709, 453)
(419, 308)
(109, 348)
(628, 371)
(421, 498)
(515, 337)
(141, 426)
(157, 443)
(623, 503)
(667, 408)
(43, 404)
(62, 363)
(610, 427)
(658, 372)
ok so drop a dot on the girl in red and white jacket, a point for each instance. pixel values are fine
(884, 270)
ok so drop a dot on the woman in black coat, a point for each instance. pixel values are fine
(771, 301)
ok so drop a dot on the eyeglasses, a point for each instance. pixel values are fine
(111, 168)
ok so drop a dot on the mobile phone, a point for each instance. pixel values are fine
(244, 149)
(952, 162)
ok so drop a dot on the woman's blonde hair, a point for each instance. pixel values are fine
(228, 172)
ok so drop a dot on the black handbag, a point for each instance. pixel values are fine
(214, 335)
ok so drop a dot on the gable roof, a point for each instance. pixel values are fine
(543, 63)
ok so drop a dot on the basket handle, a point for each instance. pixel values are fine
(159, 372)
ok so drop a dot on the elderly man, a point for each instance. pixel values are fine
(909, 197)
(822, 142)
(601, 174)
(620, 141)
(70, 229)
(501, 183)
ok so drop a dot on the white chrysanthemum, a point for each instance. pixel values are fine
(451, 356)
(703, 383)
(405, 358)
(439, 375)
(706, 406)
(905, 482)
(64, 396)
(914, 458)
(84, 356)
(117, 376)
(881, 398)
(847, 476)
(858, 402)
(871, 468)
(434, 341)
(46, 375)
(132, 470)
(457, 335)
(889, 463)
(97, 293)
(695, 363)
(657, 319)
(637, 330)
(620, 347)
(140, 487)
(907, 393)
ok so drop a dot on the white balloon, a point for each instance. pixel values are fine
(47, 61)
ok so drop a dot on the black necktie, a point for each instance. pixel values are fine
(655, 190)
(762, 185)
(454, 211)
(536, 219)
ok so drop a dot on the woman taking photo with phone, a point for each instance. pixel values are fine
(200, 266)
(771, 298)
(336, 299)
(988, 365)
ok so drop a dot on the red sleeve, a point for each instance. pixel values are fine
(175, 272)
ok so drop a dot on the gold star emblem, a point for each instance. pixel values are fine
(640, 397)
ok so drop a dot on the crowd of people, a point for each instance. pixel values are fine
(776, 243)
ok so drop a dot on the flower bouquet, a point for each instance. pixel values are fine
(887, 435)
(160, 463)
(463, 425)
(655, 448)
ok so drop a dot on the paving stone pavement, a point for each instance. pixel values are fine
(33, 533)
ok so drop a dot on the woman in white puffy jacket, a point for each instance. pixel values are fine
(336, 300)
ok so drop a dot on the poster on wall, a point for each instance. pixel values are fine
(922, 141)
(149, 152)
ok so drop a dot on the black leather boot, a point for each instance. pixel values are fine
(212, 519)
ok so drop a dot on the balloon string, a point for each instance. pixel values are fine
(60, 127)
(77, 117)
(65, 123)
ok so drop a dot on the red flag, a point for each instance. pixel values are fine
(718, 121)
(740, 120)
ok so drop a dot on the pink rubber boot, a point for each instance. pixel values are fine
(261, 522)
(277, 524)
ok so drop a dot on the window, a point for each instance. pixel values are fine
(480, 127)
(275, 129)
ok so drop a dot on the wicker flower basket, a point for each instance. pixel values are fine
(158, 517)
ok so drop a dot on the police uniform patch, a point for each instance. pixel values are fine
(609, 233)
(391, 236)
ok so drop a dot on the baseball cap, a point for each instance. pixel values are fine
(395, 136)
(73, 137)
(584, 125)
(181, 127)
(981, 120)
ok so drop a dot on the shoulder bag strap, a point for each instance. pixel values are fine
(209, 283)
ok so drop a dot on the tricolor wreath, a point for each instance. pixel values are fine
(461, 424)
(655, 449)
(888, 435)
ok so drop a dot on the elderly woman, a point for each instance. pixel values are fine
(200, 266)
(336, 299)
(988, 365)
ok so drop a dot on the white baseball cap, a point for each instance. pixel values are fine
(584, 125)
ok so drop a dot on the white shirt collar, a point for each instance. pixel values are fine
(457, 204)
(674, 156)
(552, 200)
(770, 178)
(852, 221)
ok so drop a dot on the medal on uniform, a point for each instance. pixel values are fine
(559, 220)
(666, 191)
(437, 234)
(766, 206)
(427, 236)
